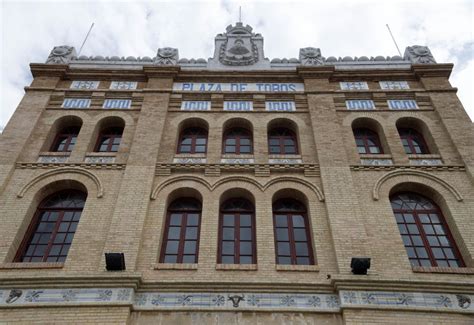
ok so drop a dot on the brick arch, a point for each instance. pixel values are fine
(125, 117)
(349, 119)
(158, 188)
(66, 173)
(397, 177)
(302, 185)
(244, 179)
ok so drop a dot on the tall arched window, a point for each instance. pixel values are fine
(413, 142)
(238, 141)
(282, 141)
(237, 232)
(367, 141)
(66, 139)
(292, 235)
(193, 140)
(109, 140)
(52, 230)
(426, 236)
(181, 236)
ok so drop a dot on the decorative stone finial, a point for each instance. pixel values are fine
(419, 54)
(311, 56)
(167, 56)
(61, 54)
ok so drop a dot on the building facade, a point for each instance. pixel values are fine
(239, 190)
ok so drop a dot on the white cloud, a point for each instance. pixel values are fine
(29, 30)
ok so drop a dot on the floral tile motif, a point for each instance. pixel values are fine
(407, 300)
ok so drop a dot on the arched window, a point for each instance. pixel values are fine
(66, 139)
(413, 141)
(52, 230)
(193, 140)
(181, 236)
(109, 140)
(367, 141)
(237, 232)
(238, 141)
(292, 235)
(282, 141)
(424, 231)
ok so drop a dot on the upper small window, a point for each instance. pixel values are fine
(238, 141)
(367, 141)
(412, 141)
(66, 140)
(282, 141)
(193, 140)
(109, 140)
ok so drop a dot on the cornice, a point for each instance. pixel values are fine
(48, 70)
(432, 70)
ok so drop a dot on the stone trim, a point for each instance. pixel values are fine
(45, 265)
(297, 268)
(175, 266)
(237, 267)
(447, 270)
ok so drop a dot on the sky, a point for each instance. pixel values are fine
(30, 29)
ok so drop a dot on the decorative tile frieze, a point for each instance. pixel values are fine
(76, 103)
(238, 87)
(408, 300)
(287, 106)
(52, 159)
(376, 162)
(238, 106)
(195, 105)
(189, 160)
(241, 161)
(285, 161)
(237, 301)
(123, 85)
(117, 103)
(360, 104)
(81, 84)
(354, 85)
(99, 160)
(426, 162)
(402, 104)
(31, 297)
(394, 85)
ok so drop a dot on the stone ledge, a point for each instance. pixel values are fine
(298, 268)
(448, 270)
(175, 266)
(237, 267)
(40, 265)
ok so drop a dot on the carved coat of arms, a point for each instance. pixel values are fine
(238, 50)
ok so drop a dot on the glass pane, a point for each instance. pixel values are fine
(425, 263)
(201, 141)
(55, 250)
(300, 234)
(443, 241)
(274, 142)
(244, 142)
(281, 220)
(374, 150)
(434, 218)
(171, 258)
(245, 220)
(53, 216)
(228, 248)
(429, 230)
(414, 263)
(284, 249)
(449, 252)
(191, 233)
(301, 249)
(190, 247)
(245, 234)
(68, 216)
(246, 248)
(442, 263)
(189, 259)
(230, 142)
(172, 247)
(227, 260)
(65, 249)
(174, 232)
(289, 142)
(406, 240)
(185, 149)
(409, 218)
(439, 229)
(421, 252)
(413, 229)
(245, 149)
(200, 149)
(63, 227)
(298, 221)
(410, 252)
(302, 260)
(453, 263)
(228, 220)
(46, 227)
(187, 141)
(417, 240)
(230, 149)
(284, 260)
(228, 233)
(40, 249)
(245, 259)
(438, 253)
(275, 150)
(58, 239)
(282, 234)
(403, 229)
(424, 218)
(193, 219)
(433, 241)
(361, 150)
(399, 217)
(290, 150)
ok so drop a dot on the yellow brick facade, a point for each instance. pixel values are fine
(348, 202)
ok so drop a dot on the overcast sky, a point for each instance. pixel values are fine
(30, 29)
